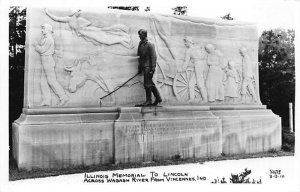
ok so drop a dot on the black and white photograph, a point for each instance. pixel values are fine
(140, 95)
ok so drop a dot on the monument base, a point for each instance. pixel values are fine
(60, 138)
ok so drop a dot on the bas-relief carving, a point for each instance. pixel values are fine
(45, 47)
(204, 78)
(196, 60)
(149, 136)
(79, 75)
(204, 75)
(219, 83)
(115, 34)
(214, 79)
(231, 83)
(248, 76)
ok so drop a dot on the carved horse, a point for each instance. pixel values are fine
(80, 75)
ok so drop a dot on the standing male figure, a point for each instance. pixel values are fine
(147, 64)
(48, 77)
(196, 59)
(248, 76)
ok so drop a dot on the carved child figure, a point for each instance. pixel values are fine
(48, 76)
(248, 76)
(231, 80)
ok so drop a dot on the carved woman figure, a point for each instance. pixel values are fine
(214, 83)
(115, 34)
(231, 80)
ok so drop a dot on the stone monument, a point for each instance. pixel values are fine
(206, 74)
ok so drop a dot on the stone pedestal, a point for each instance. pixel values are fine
(206, 73)
(248, 129)
(48, 138)
(59, 138)
(161, 133)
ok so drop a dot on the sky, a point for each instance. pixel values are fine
(267, 14)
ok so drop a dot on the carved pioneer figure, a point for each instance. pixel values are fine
(147, 64)
(214, 80)
(248, 76)
(196, 59)
(231, 80)
(115, 34)
(48, 77)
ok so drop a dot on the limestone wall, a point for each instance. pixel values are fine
(95, 52)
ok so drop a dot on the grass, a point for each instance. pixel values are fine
(288, 143)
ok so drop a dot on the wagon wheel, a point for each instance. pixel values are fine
(160, 76)
(184, 86)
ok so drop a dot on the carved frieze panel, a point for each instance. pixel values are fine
(74, 58)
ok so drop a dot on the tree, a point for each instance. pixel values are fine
(17, 33)
(17, 27)
(227, 17)
(129, 8)
(180, 10)
(277, 70)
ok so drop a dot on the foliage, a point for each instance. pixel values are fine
(288, 140)
(17, 28)
(277, 70)
(227, 17)
(17, 32)
(129, 8)
(180, 10)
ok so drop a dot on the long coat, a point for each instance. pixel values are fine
(147, 61)
(147, 54)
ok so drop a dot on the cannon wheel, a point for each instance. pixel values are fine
(184, 86)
